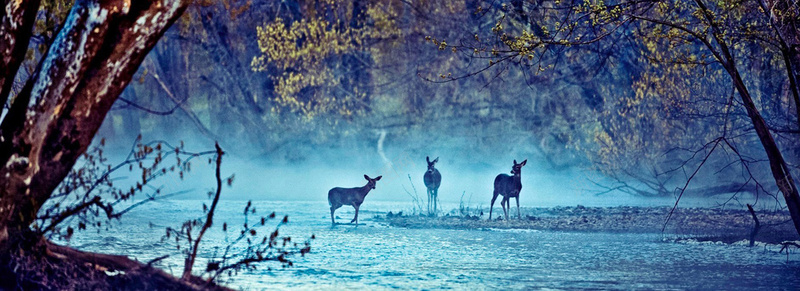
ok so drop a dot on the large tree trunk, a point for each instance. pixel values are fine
(778, 166)
(53, 120)
(785, 17)
(780, 169)
(16, 23)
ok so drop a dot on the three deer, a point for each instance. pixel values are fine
(350, 196)
(508, 186)
(432, 180)
(505, 185)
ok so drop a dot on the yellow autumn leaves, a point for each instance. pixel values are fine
(304, 58)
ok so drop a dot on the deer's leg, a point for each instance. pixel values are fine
(508, 207)
(435, 200)
(429, 200)
(503, 204)
(355, 219)
(518, 214)
(494, 197)
(333, 222)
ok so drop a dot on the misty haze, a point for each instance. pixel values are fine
(340, 145)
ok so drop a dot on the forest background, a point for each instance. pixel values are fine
(292, 82)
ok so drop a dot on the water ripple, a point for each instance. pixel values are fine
(378, 257)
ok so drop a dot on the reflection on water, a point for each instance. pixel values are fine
(376, 256)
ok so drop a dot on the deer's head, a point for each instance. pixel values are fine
(371, 181)
(517, 168)
(431, 164)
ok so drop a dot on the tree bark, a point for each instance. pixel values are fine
(16, 23)
(91, 60)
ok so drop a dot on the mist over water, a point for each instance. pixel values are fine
(465, 179)
(468, 163)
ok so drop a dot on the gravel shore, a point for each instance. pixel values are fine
(706, 224)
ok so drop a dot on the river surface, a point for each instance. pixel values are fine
(375, 256)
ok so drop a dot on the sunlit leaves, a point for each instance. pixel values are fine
(317, 40)
(304, 56)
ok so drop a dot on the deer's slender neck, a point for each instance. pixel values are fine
(365, 190)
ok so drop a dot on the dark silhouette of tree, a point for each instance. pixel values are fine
(52, 120)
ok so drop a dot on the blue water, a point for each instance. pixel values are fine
(375, 256)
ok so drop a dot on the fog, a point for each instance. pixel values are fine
(381, 109)
(466, 179)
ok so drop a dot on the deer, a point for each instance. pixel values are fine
(350, 196)
(432, 180)
(508, 186)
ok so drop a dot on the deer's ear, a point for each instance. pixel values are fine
(428, 159)
(515, 162)
(524, 162)
(366, 177)
(436, 160)
(378, 178)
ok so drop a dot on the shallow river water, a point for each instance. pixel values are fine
(375, 256)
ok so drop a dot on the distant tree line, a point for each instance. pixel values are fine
(630, 89)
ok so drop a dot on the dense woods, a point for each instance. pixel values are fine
(662, 97)
(639, 90)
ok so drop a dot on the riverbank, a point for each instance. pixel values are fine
(706, 224)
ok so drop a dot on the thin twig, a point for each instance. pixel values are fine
(187, 271)
(153, 261)
(716, 142)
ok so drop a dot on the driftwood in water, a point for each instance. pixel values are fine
(756, 227)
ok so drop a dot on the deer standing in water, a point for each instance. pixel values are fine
(508, 186)
(432, 181)
(350, 196)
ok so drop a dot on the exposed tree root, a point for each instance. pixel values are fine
(50, 266)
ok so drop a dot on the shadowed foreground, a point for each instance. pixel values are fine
(64, 268)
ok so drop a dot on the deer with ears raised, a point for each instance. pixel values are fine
(350, 196)
(432, 180)
(508, 186)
